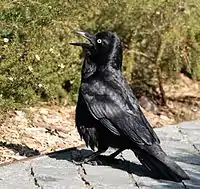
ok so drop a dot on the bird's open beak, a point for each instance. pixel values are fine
(87, 36)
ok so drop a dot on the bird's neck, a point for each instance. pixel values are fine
(88, 69)
(113, 61)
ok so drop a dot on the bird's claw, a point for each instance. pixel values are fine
(77, 162)
(89, 162)
(100, 160)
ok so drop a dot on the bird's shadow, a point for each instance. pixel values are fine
(75, 154)
(23, 150)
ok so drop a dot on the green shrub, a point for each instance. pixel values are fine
(37, 63)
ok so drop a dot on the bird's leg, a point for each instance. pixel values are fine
(104, 159)
(90, 158)
(93, 156)
(113, 155)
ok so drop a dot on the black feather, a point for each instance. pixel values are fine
(108, 113)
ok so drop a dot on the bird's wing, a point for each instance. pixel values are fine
(119, 113)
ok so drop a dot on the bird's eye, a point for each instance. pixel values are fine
(99, 40)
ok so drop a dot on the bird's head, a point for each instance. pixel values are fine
(102, 48)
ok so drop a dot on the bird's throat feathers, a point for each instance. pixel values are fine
(88, 69)
(90, 66)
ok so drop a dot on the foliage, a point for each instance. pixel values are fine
(160, 37)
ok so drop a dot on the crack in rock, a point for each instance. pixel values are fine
(131, 175)
(82, 172)
(184, 185)
(194, 146)
(35, 179)
(187, 139)
(133, 179)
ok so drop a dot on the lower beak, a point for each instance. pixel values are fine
(87, 36)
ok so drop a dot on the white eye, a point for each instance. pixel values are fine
(99, 40)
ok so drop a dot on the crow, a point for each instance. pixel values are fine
(107, 112)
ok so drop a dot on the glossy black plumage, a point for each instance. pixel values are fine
(107, 112)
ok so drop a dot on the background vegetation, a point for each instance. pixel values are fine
(161, 38)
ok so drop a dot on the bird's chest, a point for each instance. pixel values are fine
(102, 92)
(94, 89)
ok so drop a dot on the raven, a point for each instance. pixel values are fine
(107, 112)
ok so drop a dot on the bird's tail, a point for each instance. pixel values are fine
(159, 164)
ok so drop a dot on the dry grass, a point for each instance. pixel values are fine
(37, 130)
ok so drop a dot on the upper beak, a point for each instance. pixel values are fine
(87, 36)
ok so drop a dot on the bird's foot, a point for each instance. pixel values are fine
(87, 161)
(100, 160)
(77, 162)
(97, 159)
(107, 159)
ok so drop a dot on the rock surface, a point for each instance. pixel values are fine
(57, 170)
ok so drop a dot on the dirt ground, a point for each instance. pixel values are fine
(42, 129)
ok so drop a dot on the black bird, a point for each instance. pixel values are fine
(108, 113)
